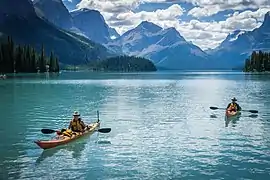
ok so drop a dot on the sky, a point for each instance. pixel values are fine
(205, 23)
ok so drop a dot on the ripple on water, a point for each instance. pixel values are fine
(161, 129)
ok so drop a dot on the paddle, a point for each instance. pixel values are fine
(98, 115)
(102, 130)
(252, 111)
(50, 131)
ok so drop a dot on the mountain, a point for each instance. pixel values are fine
(92, 24)
(238, 45)
(22, 23)
(71, 4)
(55, 11)
(165, 47)
(113, 33)
(23, 10)
(85, 22)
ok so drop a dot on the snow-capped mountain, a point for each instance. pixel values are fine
(113, 33)
(165, 47)
(238, 45)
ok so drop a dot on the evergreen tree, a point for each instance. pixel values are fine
(52, 63)
(18, 62)
(42, 60)
(23, 58)
(57, 69)
(33, 61)
(123, 64)
(1, 62)
(258, 61)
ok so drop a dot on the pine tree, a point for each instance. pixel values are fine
(42, 60)
(33, 61)
(52, 63)
(17, 58)
(56, 65)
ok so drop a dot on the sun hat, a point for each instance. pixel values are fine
(76, 113)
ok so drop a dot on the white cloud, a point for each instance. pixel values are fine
(201, 12)
(161, 17)
(110, 6)
(247, 20)
(119, 14)
(211, 7)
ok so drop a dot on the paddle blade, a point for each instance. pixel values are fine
(105, 130)
(47, 131)
(253, 111)
(214, 108)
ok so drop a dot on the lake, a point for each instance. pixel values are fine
(162, 127)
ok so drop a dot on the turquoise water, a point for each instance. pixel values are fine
(162, 127)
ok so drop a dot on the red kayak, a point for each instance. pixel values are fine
(61, 139)
(232, 113)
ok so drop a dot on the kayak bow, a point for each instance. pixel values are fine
(230, 114)
(61, 139)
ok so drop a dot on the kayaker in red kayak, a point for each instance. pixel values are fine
(76, 124)
(233, 106)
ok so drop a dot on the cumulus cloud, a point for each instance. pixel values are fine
(247, 20)
(207, 8)
(110, 6)
(120, 15)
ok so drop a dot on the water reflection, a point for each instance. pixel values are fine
(31, 76)
(233, 120)
(213, 116)
(253, 116)
(103, 142)
(75, 147)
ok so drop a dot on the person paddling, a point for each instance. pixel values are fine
(76, 124)
(233, 106)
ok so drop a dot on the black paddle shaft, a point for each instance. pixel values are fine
(252, 111)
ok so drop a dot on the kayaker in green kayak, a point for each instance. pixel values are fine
(233, 106)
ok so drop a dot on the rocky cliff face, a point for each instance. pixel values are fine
(92, 24)
(24, 9)
(55, 12)
(25, 27)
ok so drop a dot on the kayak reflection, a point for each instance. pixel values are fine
(232, 119)
(76, 148)
(235, 119)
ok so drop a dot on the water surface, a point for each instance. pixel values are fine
(162, 127)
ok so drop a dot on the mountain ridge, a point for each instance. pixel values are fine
(232, 54)
(35, 31)
(60, 16)
(162, 46)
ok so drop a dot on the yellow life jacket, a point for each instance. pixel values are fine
(233, 106)
(76, 126)
(67, 132)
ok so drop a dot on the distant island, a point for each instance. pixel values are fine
(25, 59)
(123, 64)
(258, 62)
